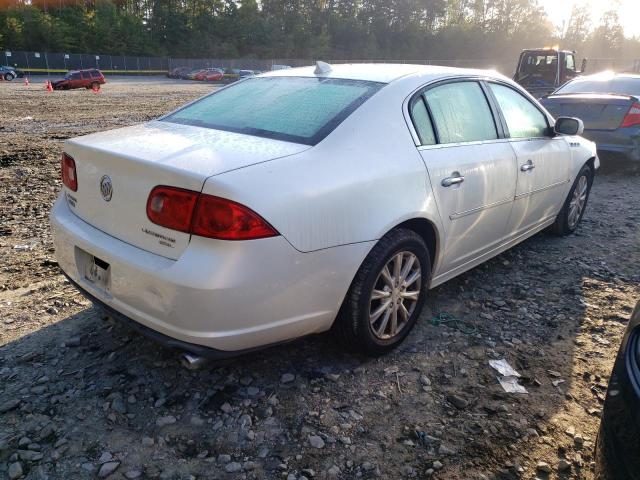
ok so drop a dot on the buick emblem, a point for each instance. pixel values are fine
(106, 188)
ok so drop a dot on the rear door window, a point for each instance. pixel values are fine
(461, 112)
(524, 119)
(296, 109)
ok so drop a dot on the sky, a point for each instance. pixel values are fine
(628, 11)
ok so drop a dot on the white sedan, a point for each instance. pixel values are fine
(305, 199)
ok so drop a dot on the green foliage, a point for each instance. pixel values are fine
(331, 29)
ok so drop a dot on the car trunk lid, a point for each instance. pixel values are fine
(597, 111)
(136, 159)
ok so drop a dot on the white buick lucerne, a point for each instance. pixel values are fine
(304, 199)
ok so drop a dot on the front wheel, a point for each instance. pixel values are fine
(95, 86)
(9, 76)
(574, 206)
(387, 294)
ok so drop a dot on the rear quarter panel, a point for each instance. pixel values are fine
(357, 184)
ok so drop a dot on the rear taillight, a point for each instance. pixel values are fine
(172, 207)
(633, 116)
(69, 178)
(220, 218)
(205, 215)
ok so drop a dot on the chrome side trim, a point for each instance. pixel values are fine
(538, 190)
(455, 216)
(422, 148)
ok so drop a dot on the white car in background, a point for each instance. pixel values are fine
(303, 199)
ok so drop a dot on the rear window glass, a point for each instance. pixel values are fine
(422, 122)
(295, 109)
(619, 86)
(461, 113)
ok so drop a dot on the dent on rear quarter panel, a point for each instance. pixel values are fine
(364, 178)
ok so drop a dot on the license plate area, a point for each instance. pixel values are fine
(94, 270)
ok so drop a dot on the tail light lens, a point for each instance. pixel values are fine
(205, 215)
(220, 218)
(172, 207)
(633, 116)
(69, 178)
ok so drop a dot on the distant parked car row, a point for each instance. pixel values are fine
(219, 75)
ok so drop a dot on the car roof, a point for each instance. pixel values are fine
(607, 75)
(383, 72)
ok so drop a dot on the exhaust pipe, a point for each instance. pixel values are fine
(191, 361)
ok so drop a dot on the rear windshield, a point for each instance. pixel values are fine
(620, 86)
(296, 109)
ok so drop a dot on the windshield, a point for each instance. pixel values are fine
(539, 62)
(296, 109)
(617, 85)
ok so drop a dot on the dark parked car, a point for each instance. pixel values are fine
(246, 73)
(609, 106)
(618, 443)
(178, 72)
(9, 73)
(230, 75)
(90, 78)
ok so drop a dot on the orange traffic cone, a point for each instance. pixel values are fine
(26, 81)
(49, 86)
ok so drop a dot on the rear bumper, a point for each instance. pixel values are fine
(158, 337)
(227, 296)
(624, 142)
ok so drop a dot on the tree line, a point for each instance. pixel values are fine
(330, 29)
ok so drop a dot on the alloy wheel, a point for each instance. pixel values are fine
(578, 201)
(395, 295)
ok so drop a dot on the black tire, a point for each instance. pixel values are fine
(564, 224)
(95, 86)
(9, 76)
(353, 326)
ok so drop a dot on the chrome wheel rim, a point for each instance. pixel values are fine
(395, 295)
(578, 201)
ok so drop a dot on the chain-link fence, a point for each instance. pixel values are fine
(56, 63)
(43, 62)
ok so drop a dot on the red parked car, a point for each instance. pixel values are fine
(206, 73)
(216, 75)
(89, 78)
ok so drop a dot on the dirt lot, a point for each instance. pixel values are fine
(83, 397)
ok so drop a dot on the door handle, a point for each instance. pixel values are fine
(527, 166)
(454, 179)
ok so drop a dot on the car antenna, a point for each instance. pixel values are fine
(322, 68)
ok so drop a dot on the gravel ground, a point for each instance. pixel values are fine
(84, 397)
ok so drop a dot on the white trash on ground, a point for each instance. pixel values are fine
(508, 376)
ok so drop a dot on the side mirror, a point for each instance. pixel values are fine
(569, 126)
(583, 67)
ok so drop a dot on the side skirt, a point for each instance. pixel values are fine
(443, 277)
